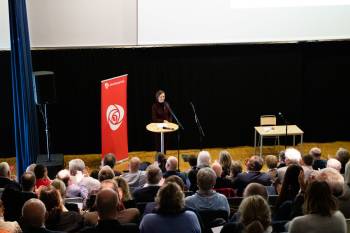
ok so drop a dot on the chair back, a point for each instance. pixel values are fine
(272, 199)
(266, 120)
(141, 207)
(212, 218)
(228, 192)
(348, 224)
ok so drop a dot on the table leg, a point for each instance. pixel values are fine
(293, 140)
(301, 139)
(162, 142)
(254, 141)
(261, 144)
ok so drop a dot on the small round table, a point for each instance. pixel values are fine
(162, 128)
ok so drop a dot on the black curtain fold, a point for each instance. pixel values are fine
(230, 85)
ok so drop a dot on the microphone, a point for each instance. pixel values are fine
(281, 115)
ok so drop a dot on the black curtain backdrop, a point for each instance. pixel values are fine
(230, 86)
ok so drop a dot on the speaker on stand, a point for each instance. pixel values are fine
(45, 94)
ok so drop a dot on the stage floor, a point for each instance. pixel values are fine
(242, 153)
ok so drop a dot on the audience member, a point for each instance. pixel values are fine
(76, 169)
(33, 216)
(151, 206)
(254, 217)
(14, 198)
(334, 163)
(161, 161)
(203, 160)
(149, 192)
(292, 156)
(110, 160)
(221, 181)
(236, 168)
(289, 190)
(135, 177)
(321, 212)
(107, 201)
(343, 156)
(123, 215)
(42, 179)
(255, 189)
(170, 216)
(106, 173)
(123, 188)
(5, 176)
(306, 164)
(225, 161)
(58, 217)
(271, 163)
(60, 186)
(9, 227)
(253, 174)
(171, 169)
(318, 163)
(344, 198)
(30, 168)
(206, 198)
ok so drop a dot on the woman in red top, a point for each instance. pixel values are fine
(40, 172)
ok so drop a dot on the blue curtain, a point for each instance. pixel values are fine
(24, 109)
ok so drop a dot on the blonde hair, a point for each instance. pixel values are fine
(255, 214)
(124, 186)
(225, 160)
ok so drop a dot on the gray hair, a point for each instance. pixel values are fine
(203, 158)
(4, 169)
(333, 178)
(292, 155)
(206, 179)
(76, 165)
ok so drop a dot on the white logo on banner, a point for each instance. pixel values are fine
(106, 85)
(115, 115)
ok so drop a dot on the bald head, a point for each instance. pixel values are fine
(4, 170)
(171, 164)
(33, 213)
(106, 204)
(134, 164)
(217, 169)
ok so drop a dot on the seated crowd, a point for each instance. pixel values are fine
(296, 194)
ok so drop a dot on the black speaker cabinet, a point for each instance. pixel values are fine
(53, 166)
(44, 88)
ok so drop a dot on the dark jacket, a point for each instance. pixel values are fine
(111, 226)
(245, 178)
(146, 194)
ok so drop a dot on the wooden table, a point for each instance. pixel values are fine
(276, 130)
(162, 128)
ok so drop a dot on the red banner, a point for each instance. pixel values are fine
(114, 127)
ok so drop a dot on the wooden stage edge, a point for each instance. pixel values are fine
(242, 153)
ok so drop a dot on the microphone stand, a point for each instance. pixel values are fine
(200, 129)
(178, 134)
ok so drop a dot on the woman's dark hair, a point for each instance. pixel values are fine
(319, 199)
(94, 174)
(39, 171)
(192, 160)
(51, 198)
(158, 93)
(290, 186)
(170, 199)
(160, 158)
